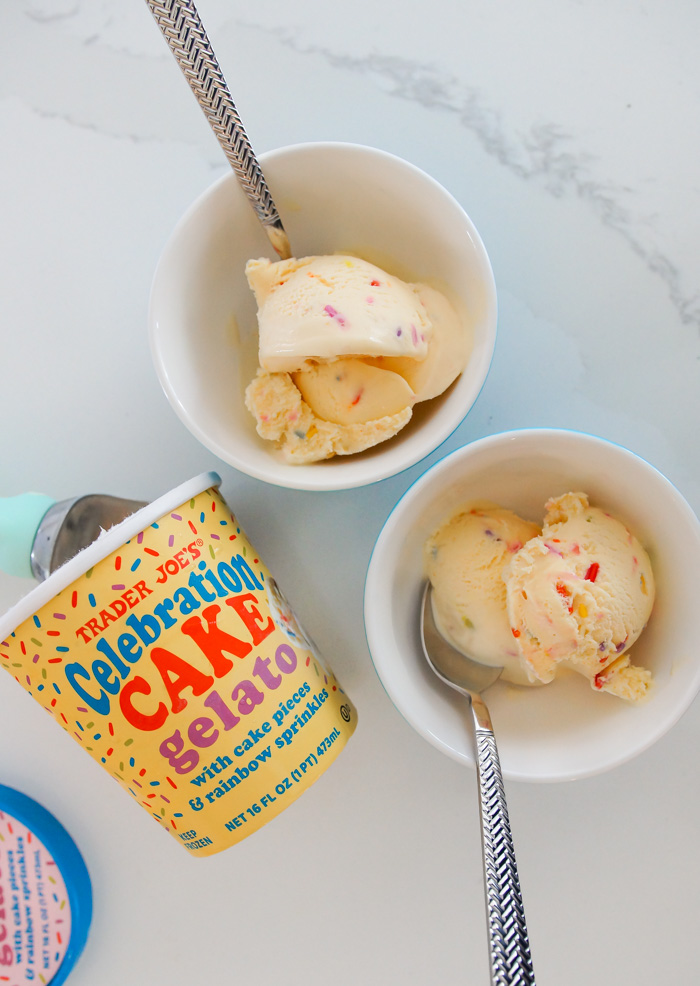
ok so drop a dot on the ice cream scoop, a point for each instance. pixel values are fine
(349, 391)
(285, 418)
(346, 350)
(465, 560)
(575, 594)
(580, 594)
(323, 308)
(39, 534)
(448, 349)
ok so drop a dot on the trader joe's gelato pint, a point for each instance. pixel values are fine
(166, 649)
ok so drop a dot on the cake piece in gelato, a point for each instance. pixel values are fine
(285, 418)
(580, 594)
(345, 351)
(576, 594)
(465, 560)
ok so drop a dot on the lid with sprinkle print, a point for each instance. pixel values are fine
(45, 894)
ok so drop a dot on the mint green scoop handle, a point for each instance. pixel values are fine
(20, 517)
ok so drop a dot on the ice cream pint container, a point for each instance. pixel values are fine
(45, 894)
(167, 650)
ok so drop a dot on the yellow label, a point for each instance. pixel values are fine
(178, 665)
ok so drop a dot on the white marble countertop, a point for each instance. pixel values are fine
(568, 131)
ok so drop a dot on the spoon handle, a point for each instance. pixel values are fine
(184, 32)
(511, 961)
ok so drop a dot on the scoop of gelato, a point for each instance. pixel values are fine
(321, 308)
(359, 346)
(465, 560)
(349, 391)
(580, 594)
(300, 435)
(576, 593)
(448, 350)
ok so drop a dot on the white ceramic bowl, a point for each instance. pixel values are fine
(332, 198)
(564, 730)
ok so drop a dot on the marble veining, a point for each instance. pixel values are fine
(568, 129)
(550, 154)
(547, 153)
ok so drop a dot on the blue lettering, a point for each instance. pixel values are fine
(148, 628)
(230, 579)
(129, 648)
(112, 656)
(246, 572)
(162, 611)
(195, 581)
(101, 704)
(186, 600)
(103, 676)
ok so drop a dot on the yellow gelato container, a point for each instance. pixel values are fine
(167, 650)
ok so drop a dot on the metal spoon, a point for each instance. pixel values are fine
(184, 32)
(38, 535)
(511, 962)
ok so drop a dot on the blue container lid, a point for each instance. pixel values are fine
(44, 889)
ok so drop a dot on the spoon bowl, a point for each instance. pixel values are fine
(455, 668)
(511, 961)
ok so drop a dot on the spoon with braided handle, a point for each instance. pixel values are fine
(184, 33)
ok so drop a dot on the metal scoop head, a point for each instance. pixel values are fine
(38, 535)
